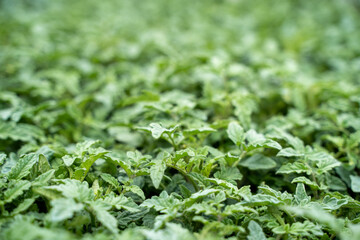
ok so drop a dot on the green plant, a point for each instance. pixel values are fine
(179, 120)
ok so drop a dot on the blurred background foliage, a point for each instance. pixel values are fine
(77, 70)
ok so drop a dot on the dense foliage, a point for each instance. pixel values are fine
(179, 119)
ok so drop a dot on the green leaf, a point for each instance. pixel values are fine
(16, 188)
(171, 231)
(2, 158)
(306, 228)
(332, 203)
(157, 171)
(231, 210)
(135, 189)
(198, 195)
(289, 152)
(85, 147)
(235, 133)
(202, 208)
(23, 166)
(146, 96)
(199, 130)
(85, 166)
(68, 160)
(124, 165)
(301, 196)
(110, 180)
(25, 227)
(244, 192)
(43, 164)
(23, 206)
(100, 210)
(296, 167)
(319, 216)
(48, 193)
(325, 162)
(256, 140)
(161, 202)
(157, 130)
(74, 189)
(121, 202)
(20, 132)
(230, 174)
(306, 181)
(222, 183)
(255, 231)
(258, 162)
(336, 184)
(355, 183)
(262, 199)
(284, 197)
(64, 208)
(42, 179)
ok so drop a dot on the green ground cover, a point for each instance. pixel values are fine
(170, 120)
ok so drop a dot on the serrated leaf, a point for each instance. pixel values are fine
(135, 189)
(171, 231)
(202, 208)
(332, 203)
(256, 140)
(284, 197)
(43, 164)
(48, 193)
(75, 189)
(301, 196)
(320, 216)
(200, 130)
(336, 184)
(306, 181)
(157, 172)
(289, 152)
(244, 192)
(230, 174)
(16, 189)
(124, 165)
(23, 206)
(20, 131)
(258, 162)
(100, 210)
(161, 202)
(63, 208)
(157, 130)
(325, 162)
(23, 166)
(261, 200)
(42, 179)
(198, 195)
(230, 210)
(68, 160)
(255, 231)
(296, 167)
(110, 180)
(84, 147)
(121, 202)
(85, 166)
(222, 183)
(235, 133)
(306, 228)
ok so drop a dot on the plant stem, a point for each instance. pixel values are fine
(242, 155)
(172, 141)
(188, 178)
